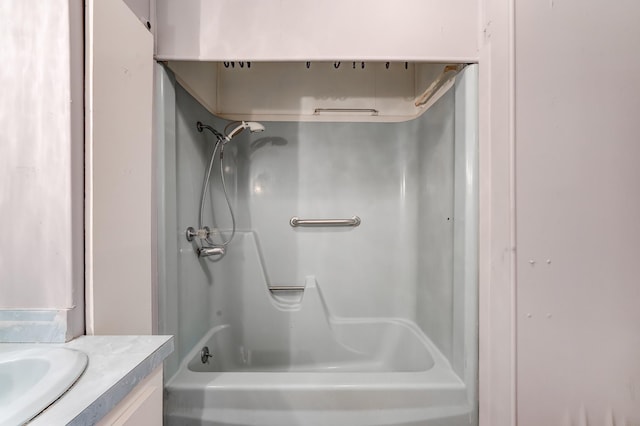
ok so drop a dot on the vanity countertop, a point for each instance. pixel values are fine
(116, 365)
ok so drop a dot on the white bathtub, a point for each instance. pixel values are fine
(374, 372)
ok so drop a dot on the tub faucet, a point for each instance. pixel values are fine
(210, 251)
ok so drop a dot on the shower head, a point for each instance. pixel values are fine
(253, 127)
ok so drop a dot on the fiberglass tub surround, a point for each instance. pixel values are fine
(371, 324)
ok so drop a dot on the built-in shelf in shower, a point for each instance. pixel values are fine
(321, 91)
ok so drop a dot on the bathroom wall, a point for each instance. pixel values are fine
(119, 208)
(221, 30)
(336, 170)
(41, 171)
(578, 204)
(142, 10)
(397, 177)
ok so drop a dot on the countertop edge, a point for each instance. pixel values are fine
(99, 408)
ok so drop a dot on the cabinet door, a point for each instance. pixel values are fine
(142, 407)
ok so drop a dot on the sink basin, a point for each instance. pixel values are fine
(32, 378)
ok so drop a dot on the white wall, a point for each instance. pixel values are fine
(142, 10)
(41, 145)
(496, 299)
(578, 204)
(119, 157)
(279, 30)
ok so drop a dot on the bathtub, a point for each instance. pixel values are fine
(282, 358)
(366, 372)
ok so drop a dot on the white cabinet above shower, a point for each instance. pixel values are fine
(299, 30)
(315, 91)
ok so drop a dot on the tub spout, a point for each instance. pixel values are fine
(210, 251)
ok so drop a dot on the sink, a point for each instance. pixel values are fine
(32, 378)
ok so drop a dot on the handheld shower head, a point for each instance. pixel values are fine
(253, 127)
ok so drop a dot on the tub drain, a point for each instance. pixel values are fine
(205, 355)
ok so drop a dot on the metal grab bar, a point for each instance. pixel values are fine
(296, 221)
(371, 111)
(286, 288)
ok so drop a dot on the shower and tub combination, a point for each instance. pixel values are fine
(326, 273)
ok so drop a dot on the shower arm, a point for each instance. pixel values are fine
(200, 126)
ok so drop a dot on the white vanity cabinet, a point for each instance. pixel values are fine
(142, 406)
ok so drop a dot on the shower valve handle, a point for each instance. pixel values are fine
(201, 234)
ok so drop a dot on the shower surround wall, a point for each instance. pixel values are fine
(397, 177)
